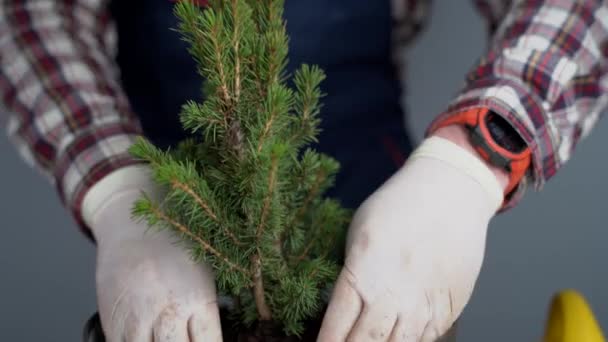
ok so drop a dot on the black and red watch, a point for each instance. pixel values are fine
(495, 140)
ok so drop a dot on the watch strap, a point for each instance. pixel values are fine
(515, 163)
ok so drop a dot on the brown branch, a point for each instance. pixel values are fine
(266, 130)
(306, 249)
(256, 262)
(188, 190)
(273, 72)
(237, 80)
(185, 188)
(311, 194)
(306, 109)
(220, 67)
(304, 253)
(259, 82)
(332, 241)
(258, 289)
(274, 67)
(271, 184)
(204, 244)
(313, 273)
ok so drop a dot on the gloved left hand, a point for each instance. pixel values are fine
(415, 249)
(148, 286)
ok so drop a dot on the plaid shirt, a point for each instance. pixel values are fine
(545, 71)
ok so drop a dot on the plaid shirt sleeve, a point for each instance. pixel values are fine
(546, 72)
(59, 86)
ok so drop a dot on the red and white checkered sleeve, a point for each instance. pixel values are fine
(59, 86)
(546, 72)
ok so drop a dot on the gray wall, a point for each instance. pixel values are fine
(554, 240)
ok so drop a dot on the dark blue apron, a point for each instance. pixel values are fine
(362, 120)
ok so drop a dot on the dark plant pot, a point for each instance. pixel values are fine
(266, 331)
(92, 331)
(262, 332)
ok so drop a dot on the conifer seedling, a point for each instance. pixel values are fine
(245, 193)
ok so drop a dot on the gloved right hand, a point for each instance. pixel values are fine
(148, 288)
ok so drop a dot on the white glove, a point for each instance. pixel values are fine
(415, 249)
(148, 287)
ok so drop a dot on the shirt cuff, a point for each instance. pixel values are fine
(88, 159)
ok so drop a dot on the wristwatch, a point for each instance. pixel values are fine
(495, 140)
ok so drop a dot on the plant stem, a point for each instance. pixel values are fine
(320, 176)
(268, 199)
(266, 130)
(256, 262)
(258, 289)
(237, 61)
(223, 86)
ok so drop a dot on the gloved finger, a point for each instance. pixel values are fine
(405, 331)
(170, 326)
(430, 336)
(375, 323)
(344, 308)
(432, 333)
(204, 325)
(135, 330)
(439, 324)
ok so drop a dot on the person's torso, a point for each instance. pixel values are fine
(361, 118)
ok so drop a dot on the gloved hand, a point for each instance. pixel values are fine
(148, 287)
(414, 249)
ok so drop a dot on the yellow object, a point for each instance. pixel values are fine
(571, 320)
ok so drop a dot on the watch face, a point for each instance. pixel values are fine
(504, 134)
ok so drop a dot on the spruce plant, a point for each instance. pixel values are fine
(245, 193)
